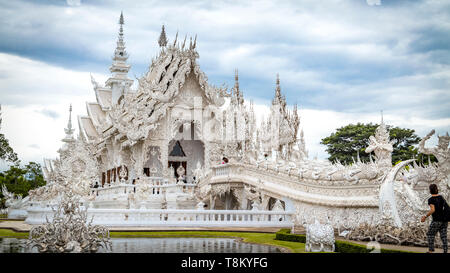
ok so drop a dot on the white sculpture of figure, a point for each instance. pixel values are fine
(319, 237)
(256, 205)
(200, 206)
(382, 146)
(181, 174)
(123, 174)
(198, 172)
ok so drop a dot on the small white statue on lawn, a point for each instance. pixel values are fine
(319, 238)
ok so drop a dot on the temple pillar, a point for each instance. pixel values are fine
(164, 149)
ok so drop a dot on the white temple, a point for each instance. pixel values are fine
(156, 157)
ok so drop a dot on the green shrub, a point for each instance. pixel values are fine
(285, 235)
(347, 247)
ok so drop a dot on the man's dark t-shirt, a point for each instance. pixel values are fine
(438, 203)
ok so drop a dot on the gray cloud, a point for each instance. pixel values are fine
(34, 146)
(342, 55)
(49, 113)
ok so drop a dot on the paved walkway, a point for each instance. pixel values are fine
(20, 226)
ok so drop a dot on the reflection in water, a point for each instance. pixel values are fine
(159, 245)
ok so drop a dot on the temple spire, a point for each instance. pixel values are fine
(69, 124)
(69, 130)
(278, 97)
(119, 81)
(236, 82)
(119, 65)
(278, 88)
(162, 41)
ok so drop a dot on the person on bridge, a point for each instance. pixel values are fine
(439, 222)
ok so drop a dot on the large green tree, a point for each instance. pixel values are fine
(20, 180)
(347, 141)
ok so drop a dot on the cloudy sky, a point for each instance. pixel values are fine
(340, 61)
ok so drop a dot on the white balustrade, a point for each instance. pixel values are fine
(223, 169)
(173, 217)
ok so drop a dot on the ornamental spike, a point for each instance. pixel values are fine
(176, 38)
(184, 42)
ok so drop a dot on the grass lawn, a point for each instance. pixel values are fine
(10, 233)
(247, 237)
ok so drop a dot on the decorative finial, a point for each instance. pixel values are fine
(236, 79)
(382, 121)
(278, 88)
(162, 38)
(236, 83)
(93, 81)
(69, 130)
(195, 41)
(69, 125)
(121, 21)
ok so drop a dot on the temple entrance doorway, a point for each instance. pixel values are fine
(175, 165)
(187, 153)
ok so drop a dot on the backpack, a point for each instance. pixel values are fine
(446, 211)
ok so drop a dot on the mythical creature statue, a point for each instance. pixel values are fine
(319, 237)
(442, 153)
(15, 205)
(14, 201)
